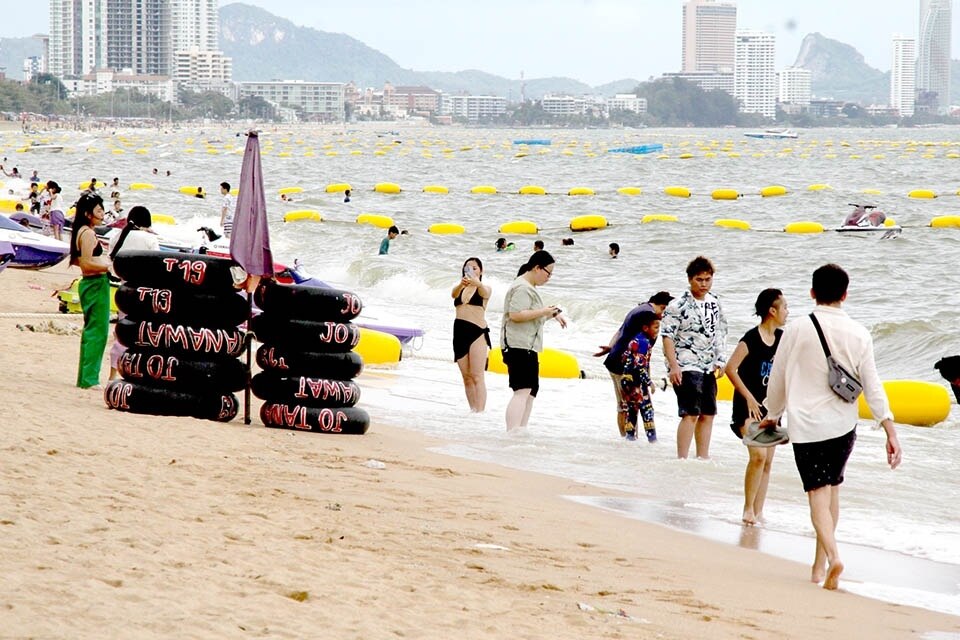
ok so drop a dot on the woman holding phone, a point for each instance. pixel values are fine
(471, 336)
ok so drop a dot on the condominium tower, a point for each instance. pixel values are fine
(709, 29)
(933, 52)
(754, 75)
(903, 87)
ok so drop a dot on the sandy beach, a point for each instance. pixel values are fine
(122, 525)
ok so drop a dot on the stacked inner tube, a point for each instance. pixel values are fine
(181, 334)
(307, 359)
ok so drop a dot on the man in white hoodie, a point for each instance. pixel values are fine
(823, 426)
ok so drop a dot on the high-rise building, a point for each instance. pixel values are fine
(754, 76)
(933, 54)
(709, 29)
(903, 86)
(794, 86)
(139, 37)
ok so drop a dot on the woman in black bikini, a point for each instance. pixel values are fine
(471, 336)
(94, 288)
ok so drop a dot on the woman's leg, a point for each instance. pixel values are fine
(477, 362)
(468, 386)
(752, 479)
(761, 496)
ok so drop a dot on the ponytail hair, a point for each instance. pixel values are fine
(765, 300)
(138, 219)
(540, 259)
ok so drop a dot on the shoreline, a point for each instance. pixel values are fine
(120, 522)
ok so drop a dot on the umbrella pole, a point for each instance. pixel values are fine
(246, 389)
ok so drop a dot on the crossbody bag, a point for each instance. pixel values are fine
(842, 382)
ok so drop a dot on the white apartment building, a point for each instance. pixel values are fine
(324, 100)
(32, 67)
(709, 29)
(934, 52)
(903, 86)
(794, 85)
(200, 70)
(754, 76)
(562, 105)
(473, 108)
(196, 25)
(627, 102)
(160, 87)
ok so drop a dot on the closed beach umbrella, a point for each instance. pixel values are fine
(250, 239)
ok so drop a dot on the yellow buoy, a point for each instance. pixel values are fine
(446, 228)
(913, 402)
(302, 214)
(872, 192)
(773, 191)
(435, 188)
(338, 187)
(519, 227)
(581, 191)
(484, 189)
(377, 347)
(141, 186)
(819, 187)
(86, 185)
(724, 194)
(553, 363)
(658, 217)
(288, 190)
(945, 222)
(532, 190)
(889, 222)
(588, 223)
(732, 223)
(922, 194)
(804, 227)
(9, 204)
(162, 218)
(685, 156)
(629, 191)
(384, 222)
(386, 187)
(678, 192)
(191, 191)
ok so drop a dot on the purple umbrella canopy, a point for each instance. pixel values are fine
(250, 238)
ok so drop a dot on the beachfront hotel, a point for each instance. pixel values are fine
(754, 75)
(933, 53)
(795, 86)
(709, 28)
(903, 86)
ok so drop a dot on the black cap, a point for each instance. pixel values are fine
(661, 297)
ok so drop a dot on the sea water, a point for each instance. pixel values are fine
(906, 291)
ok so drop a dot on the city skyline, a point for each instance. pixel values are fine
(607, 38)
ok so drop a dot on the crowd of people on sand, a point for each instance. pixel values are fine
(776, 370)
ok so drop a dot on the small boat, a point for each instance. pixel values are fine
(50, 148)
(882, 232)
(773, 134)
(866, 221)
(534, 141)
(31, 250)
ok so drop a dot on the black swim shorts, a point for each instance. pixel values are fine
(821, 464)
(697, 394)
(523, 366)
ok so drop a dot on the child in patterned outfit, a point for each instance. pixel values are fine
(635, 385)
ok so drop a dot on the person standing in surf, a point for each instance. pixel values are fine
(821, 424)
(694, 330)
(521, 335)
(749, 371)
(471, 336)
(87, 253)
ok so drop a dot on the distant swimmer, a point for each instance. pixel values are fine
(614, 250)
(503, 245)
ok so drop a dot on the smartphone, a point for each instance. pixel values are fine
(468, 271)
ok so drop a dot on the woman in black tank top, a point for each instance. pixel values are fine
(471, 336)
(94, 288)
(749, 370)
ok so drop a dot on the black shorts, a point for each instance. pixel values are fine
(821, 464)
(523, 366)
(696, 394)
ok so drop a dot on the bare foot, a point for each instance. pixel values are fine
(832, 580)
(818, 574)
(748, 518)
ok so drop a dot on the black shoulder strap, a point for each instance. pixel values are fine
(823, 341)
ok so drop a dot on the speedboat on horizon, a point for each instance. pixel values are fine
(773, 134)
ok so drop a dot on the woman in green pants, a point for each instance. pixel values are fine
(94, 288)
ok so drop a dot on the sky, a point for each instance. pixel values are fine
(595, 41)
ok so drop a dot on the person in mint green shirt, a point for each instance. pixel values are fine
(521, 335)
(392, 233)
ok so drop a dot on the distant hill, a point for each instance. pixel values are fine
(840, 72)
(266, 47)
(13, 51)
